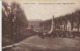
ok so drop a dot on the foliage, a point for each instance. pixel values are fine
(14, 20)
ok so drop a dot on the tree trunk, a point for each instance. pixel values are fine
(78, 27)
(72, 26)
(12, 31)
(52, 27)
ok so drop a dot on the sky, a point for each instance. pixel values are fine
(46, 9)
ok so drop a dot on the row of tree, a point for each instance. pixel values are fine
(73, 19)
(14, 20)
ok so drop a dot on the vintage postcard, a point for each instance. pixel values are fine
(40, 25)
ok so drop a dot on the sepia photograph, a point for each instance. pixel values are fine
(40, 25)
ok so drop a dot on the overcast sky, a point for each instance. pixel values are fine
(34, 10)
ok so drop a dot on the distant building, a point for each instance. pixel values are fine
(35, 24)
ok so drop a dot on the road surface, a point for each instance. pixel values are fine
(36, 43)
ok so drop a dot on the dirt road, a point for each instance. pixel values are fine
(36, 43)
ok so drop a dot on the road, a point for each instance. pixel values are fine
(36, 43)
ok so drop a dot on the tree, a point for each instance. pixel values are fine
(13, 19)
(5, 20)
